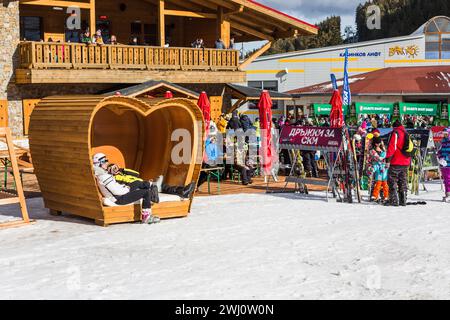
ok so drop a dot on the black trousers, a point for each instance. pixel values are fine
(134, 196)
(397, 181)
(246, 173)
(309, 163)
(138, 190)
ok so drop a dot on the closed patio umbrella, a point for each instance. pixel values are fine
(205, 106)
(265, 118)
(336, 115)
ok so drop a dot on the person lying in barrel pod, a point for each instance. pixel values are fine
(132, 179)
(122, 194)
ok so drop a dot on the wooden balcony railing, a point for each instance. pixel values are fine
(44, 55)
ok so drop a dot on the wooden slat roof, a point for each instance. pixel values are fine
(249, 93)
(152, 85)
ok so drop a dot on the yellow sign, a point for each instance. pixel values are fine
(409, 51)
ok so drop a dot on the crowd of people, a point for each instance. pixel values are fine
(386, 164)
(77, 36)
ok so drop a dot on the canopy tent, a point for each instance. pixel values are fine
(155, 89)
(244, 94)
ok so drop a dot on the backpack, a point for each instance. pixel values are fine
(408, 146)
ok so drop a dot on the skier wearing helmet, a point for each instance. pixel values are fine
(444, 161)
(121, 194)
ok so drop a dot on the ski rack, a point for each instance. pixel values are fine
(426, 148)
(334, 158)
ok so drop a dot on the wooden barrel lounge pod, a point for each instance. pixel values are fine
(65, 132)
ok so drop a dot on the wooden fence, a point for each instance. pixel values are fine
(45, 55)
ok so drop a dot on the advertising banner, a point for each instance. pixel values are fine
(374, 108)
(325, 109)
(311, 138)
(423, 109)
(438, 133)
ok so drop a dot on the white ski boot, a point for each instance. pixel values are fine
(446, 197)
(148, 218)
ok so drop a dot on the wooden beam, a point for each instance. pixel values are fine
(58, 76)
(64, 4)
(180, 13)
(286, 34)
(224, 4)
(161, 23)
(262, 21)
(255, 55)
(204, 3)
(232, 13)
(184, 5)
(250, 22)
(251, 31)
(92, 17)
(224, 27)
(271, 14)
(237, 105)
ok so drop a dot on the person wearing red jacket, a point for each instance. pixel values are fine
(398, 165)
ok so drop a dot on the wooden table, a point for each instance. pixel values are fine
(215, 172)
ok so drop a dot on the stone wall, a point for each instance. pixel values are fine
(9, 39)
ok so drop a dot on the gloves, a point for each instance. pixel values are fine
(443, 162)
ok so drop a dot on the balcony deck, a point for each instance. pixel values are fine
(42, 62)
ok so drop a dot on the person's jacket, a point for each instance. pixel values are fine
(257, 125)
(246, 123)
(444, 151)
(127, 176)
(234, 124)
(376, 164)
(108, 185)
(395, 155)
(222, 125)
(212, 151)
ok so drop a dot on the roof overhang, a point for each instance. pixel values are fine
(245, 94)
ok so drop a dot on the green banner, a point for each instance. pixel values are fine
(325, 109)
(374, 108)
(422, 109)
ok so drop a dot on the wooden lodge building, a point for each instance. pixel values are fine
(40, 55)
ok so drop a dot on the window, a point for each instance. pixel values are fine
(136, 30)
(437, 38)
(150, 34)
(31, 28)
(264, 85)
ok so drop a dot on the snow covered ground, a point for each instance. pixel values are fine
(236, 247)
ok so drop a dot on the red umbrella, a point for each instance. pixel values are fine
(205, 106)
(265, 120)
(168, 95)
(336, 115)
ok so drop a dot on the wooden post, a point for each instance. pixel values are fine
(5, 133)
(224, 27)
(161, 23)
(93, 19)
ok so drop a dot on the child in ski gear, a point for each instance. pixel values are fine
(398, 165)
(121, 194)
(377, 169)
(444, 160)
